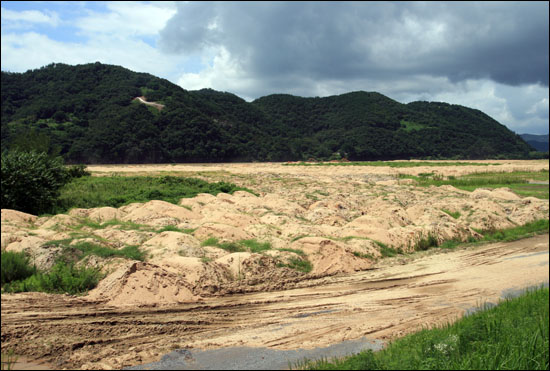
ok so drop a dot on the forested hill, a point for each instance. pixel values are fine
(88, 114)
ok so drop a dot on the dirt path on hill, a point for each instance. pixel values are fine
(396, 297)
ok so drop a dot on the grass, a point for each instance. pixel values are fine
(515, 233)
(87, 248)
(530, 229)
(116, 191)
(517, 181)
(8, 360)
(128, 225)
(454, 214)
(63, 277)
(298, 264)
(512, 336)
(250, 245)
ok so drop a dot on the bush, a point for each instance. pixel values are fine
(77, 171)
(31, 181)
(63, 278)
(15, 266)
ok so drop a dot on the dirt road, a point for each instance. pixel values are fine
(398, 296)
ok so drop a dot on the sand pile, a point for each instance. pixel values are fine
(330, 257)
(139, 283)
(337, 220)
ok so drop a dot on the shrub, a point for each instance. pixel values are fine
(15, 266)
(63, 278)
(31, 181)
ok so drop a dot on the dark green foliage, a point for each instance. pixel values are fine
(86, 114)
(31, 181)
(77, 171)
(15, 266)
(425, 243)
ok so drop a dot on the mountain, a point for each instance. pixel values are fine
(538, 142)
(88, 114)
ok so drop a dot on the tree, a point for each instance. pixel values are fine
(31, 181)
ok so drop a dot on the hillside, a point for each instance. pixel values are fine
(538, 142)
(88, 114)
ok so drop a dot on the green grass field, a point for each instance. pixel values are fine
(510, 336)
(116, 191)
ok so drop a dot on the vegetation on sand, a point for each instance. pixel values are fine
(513, 335)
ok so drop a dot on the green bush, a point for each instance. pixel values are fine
(15, 266)
(31, 181)
(62, 278)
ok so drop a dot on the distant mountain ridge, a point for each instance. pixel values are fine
(539, 142)
(88, 113)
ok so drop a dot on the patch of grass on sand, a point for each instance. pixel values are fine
(517, 181)
(390, 163)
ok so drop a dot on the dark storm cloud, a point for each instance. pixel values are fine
(503, 41)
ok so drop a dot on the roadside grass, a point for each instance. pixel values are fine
(517, 181)
(511, 234)
(389, 163)
(116, 191)
(512, 335)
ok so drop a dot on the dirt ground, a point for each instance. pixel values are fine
(185, 295)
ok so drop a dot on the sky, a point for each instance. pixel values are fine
(493, 56)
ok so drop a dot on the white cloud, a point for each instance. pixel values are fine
(24, 51)
(12, 19)
(127, 18)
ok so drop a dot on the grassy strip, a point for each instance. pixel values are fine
(87, 248)
(116, 191)
(390, 163)
(512, 336)
(517, 181)
(511, 234)
(127, 225)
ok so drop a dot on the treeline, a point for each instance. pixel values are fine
(87, 114)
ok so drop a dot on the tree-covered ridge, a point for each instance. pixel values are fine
(87, 114)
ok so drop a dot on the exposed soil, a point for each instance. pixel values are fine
(185, 295)
(394, 299)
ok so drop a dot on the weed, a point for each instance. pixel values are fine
(8, 360)
(302, 265)
(454, 214)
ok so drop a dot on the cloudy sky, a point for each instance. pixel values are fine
(493, 56)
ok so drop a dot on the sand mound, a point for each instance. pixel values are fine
(330, 257)
(139, 283)
(168, 244)
(16, 217)
(221, 231)
(157, 213)
(59, 222)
